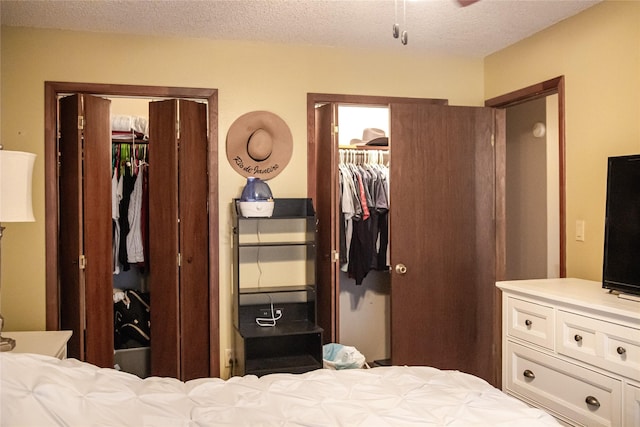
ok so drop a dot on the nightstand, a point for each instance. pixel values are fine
(48, 343)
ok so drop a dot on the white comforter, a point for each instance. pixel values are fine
(43, 391)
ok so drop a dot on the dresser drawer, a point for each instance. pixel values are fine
(606, 345)
(530, 322)
(632, 405)
(562, 387)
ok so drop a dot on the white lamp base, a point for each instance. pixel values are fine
(7, 344)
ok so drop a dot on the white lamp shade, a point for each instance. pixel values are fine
(16, 173)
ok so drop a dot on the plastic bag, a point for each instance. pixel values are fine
(338, 356)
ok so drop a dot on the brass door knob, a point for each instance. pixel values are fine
(401, 269)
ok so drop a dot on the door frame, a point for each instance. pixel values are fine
(332, 299)
(52, 91)
(530, 93)
(314, 99)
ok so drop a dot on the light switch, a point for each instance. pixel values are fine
(580, 230)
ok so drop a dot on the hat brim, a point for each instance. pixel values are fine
(238, 137)
(382, 141)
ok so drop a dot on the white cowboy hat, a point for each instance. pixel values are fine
(371, 136)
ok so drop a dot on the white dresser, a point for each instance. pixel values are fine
(573, 349)
(49, 343)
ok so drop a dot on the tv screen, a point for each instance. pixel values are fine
(621, 270)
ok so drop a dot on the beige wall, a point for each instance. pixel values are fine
(598, 52)
(526, 193)
(249, 76)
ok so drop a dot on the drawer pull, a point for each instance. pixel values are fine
(528, 374)
(592, 401)
(577, 337)
(528, 322)
(621, 350)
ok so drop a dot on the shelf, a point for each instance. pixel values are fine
(283, 209)
(275, 289)
(249, 330)
(267, 244)
(293, 364)
(280, 251)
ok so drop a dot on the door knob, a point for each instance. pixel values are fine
(401, 269)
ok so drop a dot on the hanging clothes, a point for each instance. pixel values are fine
(129, 206)
(135, 251)
(350, 209)
(364, 207)
(380, 227)
(116, 196)
(128, 180)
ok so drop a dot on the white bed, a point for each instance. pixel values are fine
(43, 391)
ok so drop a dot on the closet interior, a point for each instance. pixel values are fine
(363, 199)
(130, 238)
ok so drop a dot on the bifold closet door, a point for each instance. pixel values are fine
(178, 242)
(327, 208)
(85, 257)
(443, 237)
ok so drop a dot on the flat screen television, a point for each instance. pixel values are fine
(621, 266)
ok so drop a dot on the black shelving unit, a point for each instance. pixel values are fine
(275, 270)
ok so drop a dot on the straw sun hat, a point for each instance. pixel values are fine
(259, 144)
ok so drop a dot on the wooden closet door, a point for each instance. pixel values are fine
(163, 239)
(327, 208)
(194, 242)
(85, 227)
(178, 244)
(443, 231)
(72, 303)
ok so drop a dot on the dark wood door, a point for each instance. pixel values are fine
(163, 239)
(85, 227)
(326, 203)
(193, 191)
(178, 244)
(442, 230)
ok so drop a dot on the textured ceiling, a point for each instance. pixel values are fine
(433, 26)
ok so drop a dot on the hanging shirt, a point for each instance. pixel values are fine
(116, 196)
(363, 197)
(128, 182)
(135, 248)
(349, 205)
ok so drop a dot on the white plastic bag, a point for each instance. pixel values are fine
(338, 356)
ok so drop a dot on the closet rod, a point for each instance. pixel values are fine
(124, 141)
(364, 147)
(363, 156)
